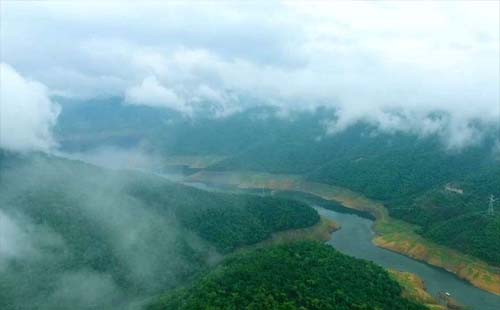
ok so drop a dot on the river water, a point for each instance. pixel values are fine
(355, 239)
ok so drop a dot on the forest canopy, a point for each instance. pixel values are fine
(304, 275)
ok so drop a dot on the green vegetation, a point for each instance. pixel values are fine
(116, 237)
(474, 233)
(304, 275)
(254, 221)
(406, 172)
(321, 231)
(459, 219)
(326, 204)
(393, 234)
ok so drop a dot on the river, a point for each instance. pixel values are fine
(355, 239)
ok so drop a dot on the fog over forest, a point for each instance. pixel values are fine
(172, 155)
(377, 62)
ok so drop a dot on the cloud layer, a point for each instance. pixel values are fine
(393, 64)
(27, 114)
(151, 93)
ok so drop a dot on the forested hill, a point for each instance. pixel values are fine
(295, 276)
(407, 172)
(414, 177)
(89, 238)
(381, 165)
(455, 214)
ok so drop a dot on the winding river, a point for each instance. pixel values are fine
(355, 239)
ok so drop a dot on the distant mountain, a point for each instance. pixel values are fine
(407, 172)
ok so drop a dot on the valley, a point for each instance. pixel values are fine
(125, 237)
(249, 155)
(391, 234)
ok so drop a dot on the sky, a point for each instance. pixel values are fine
(394, 64)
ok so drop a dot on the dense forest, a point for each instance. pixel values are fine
(304, 275)
(407, 172)
(229, 228)
(455, 214)
(227, 155)
(117, 236)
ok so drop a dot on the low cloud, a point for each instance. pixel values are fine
(87, 237)
(85, 289)
(151, 93)
(22, 240)
(27, 114)
(455, 130)
(370, 61)
(118, 158)
(14, 242)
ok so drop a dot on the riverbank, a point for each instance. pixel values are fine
(392, 234)
(412, 286)
(320, 231)
(414, 289)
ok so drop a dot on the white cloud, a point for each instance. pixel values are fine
(20, 239)
(14, 241)
(26, 113)
(117, 158)
(151, 93)
(363, 58)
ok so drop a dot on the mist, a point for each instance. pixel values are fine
(27, 113)
(117, 158)
(78, 231)
(372, 62)
(108, 109)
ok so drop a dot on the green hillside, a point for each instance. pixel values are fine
(118, 237)
(459, 219)
(406, 172)
(304, 275)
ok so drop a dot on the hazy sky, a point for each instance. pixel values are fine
(388, 63)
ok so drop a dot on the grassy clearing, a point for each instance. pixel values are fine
(392, 234)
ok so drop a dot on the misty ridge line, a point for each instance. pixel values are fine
(101, 223)
(394, 73)
(32, 129)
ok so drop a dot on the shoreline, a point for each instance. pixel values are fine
(391, 234)
(412, 286)
(321, 232)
